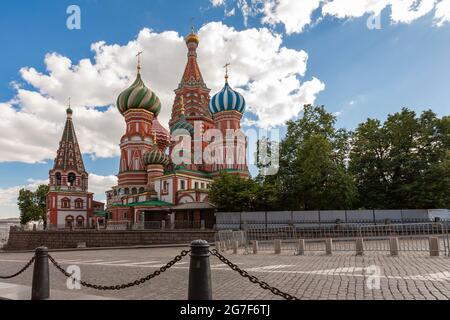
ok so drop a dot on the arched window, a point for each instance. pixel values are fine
(127, 191)
(115, 192)
(65, 203)
(79, 203)
(58, 178)
(80, 222)
(71, 179)
(141, 190)
(134, 191)
(69, 221)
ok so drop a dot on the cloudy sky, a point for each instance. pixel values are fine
(359, 58)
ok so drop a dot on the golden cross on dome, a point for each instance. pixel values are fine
(68, 103)
(226, 70)
(139, 61)
(192, 26)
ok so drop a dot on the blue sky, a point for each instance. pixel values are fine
(365, 73)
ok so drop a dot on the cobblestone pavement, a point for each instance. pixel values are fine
(341, 276)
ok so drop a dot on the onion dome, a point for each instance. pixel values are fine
(227, 100)
(182, 123)
(163, 137)
(69, 111)
(138, 96)
(156, 155)
(193, 37)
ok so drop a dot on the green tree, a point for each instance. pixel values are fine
(32, 205)
(232, 193)
(402, 163)
(323, 182)
(368, 161)
(313, 172)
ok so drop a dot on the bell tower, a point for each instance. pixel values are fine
(69, 204)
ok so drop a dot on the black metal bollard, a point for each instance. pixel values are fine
(200, 272)
(40, 289)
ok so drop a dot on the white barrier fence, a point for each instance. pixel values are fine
(270, 219)
(365, 238)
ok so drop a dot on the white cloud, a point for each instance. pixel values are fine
(296, 15)
(267, 73)
(442, 14)
(34, 119)
(402, 11)
(245, 9)
(8, 198)
(230, 13)
(406, 11)
(217, 3)
(286, 97)
(100, 184)
(353, 9)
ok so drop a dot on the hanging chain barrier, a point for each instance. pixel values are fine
(125, 285)
(21, 270)
(251, 278)
(264, 285)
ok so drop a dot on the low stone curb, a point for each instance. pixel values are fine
(105, 248)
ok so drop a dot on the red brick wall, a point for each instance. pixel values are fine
(29, 240)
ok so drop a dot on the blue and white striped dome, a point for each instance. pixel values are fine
(227, 100)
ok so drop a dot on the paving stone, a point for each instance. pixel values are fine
(341, 276)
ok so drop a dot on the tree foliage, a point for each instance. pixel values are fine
(32, 205)
(232, 193)
(404, 162)
(313, 174)
(401, 163)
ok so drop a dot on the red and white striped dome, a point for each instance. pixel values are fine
(163, 137)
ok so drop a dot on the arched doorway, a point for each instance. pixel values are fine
(80, 222)
(69, 222)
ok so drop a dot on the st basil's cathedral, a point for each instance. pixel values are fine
(152, 189)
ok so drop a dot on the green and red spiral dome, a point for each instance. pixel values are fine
(156, 156)
(138, 96)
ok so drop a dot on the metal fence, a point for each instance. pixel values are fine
(230, 237)
(268, 219)
(4, 232)
(118, 225)
(411, 237)
(341, 237)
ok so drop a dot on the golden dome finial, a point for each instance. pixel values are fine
(192, 37)
(154, 137)
(226, 71)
